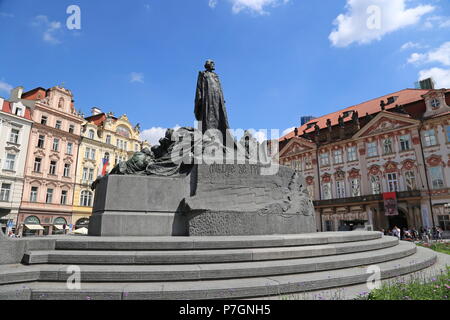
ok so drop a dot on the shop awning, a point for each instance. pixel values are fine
(34, 227)
(60, 227)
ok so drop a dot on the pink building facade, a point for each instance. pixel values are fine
(50, 168)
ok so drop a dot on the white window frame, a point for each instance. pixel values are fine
(437, 178)
(372, 149)
(352, 154)
(338, 157)
(325, 159)
(429, 137)
(10, 162)
(14, 136)
(5, 193)
(340, 189)
(392, 182)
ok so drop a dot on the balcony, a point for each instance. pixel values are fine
(366, 199)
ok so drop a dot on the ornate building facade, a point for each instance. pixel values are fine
(398, 143)
(106, 140)
(15, 127)
(50, 168)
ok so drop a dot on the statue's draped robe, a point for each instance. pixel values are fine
(210, 103)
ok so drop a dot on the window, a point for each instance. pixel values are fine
(435, 104)
(85, 174)
(34, 194)
(108, 139)
(387, 146)
(372, 149)
(91, 175)
(10, 162)
(356, 188)
(52, 168)
(18, 112)
(429, 137)
(49, 197)
(41, 141)
(326, 191)
(437, 179)
(351, 154)
(5, 192)
(308, 163)
(392, 182)
(67, 170)
(14, 136)
(405, 143)
(63, 197)
(70, 148)
(86, 199)
(375, 184)
(410, 180)
(324, 159)
(71, 128)
(107, 156)
(297, 165)
(91, 134)
(448, 133)
(37, 164)
(44, 120)
(337, 154)
(340, 189)
(58, 124)
(87, 153)
(444, 222)
(329, 225)
(55, 144)
(93, 154)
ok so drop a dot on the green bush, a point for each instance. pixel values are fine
(443, 247)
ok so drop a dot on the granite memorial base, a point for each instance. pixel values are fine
(211, 200)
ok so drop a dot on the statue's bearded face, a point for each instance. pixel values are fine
(209, 65)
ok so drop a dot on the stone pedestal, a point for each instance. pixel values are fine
(211, 200)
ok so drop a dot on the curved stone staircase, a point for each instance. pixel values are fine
(208, 267)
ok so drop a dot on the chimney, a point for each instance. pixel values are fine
(95, 111)
(16, 94)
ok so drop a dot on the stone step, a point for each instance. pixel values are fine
(202, 256)
(188, 243)
(147, 273)
(219, 289)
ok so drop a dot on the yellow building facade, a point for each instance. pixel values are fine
(106, 140)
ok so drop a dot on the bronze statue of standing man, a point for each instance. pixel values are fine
(209, 101)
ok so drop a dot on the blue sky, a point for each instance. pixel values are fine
(277, 59)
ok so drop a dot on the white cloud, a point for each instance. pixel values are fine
(437, 21)
(369, 20)
(411, 45)
(253, 6)
(440, 55)
(416, 58)
(440, 76)
(136, 77)
(50, 28)
(5, 87)
(153, 135)
(212, 3)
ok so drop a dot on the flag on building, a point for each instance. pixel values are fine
(104, 167)
(390, 204)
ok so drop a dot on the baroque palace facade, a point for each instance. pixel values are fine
(398, 143)
(50, 156)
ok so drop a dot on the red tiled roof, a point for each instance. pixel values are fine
(7, 108)
(405, 96)
(98, 119)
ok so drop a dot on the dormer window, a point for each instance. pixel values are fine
(19, 112)
(435, 104)
(91, 134)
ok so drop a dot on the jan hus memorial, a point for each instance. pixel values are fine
(201, 182)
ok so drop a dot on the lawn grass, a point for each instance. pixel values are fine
(438, 288)
(443, 247)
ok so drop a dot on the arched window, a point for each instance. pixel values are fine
(86, 199)
(91, 134)
(60, 221)
(32, 220)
